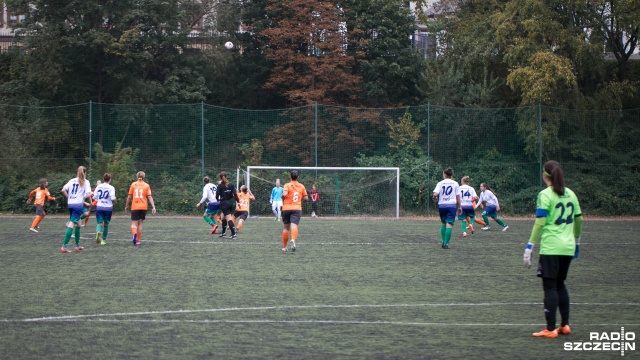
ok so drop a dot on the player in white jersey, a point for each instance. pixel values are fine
(76, 190)
(491, 210)
(104, 195)
(447, 194)
(467, 197)
(212, 212)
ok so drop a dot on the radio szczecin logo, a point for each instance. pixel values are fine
(605, 341)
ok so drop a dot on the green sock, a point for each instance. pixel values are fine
(208, 220)
(463, 224)
(443, 228)
(77, 235)
(472, 219)
(105, 232)
(500, 222)
(447, 235)
(83, 216)
(67, 236)
(99, 228)
(486, 219)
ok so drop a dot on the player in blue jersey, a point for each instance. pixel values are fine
(491, 210)
(76, 191)
(447, 194)
(212, 212)
(104, 195)
(467, 197)
(558, 226)
(276, 200)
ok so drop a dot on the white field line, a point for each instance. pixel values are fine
(309, 242)
(285, 307)
(331, 322)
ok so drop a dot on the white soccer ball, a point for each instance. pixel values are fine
(228, 45)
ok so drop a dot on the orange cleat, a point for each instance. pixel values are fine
(547, 334)
(564, 330)
(65, 250)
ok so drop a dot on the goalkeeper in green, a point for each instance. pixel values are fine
(558, 226)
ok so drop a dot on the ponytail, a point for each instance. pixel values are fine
(553, 172)
(223, 178)
(82, 174)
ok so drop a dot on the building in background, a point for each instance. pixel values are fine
(423, 40)
(9, 22)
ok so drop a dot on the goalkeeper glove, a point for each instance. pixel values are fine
(526, 259)
(577, 254)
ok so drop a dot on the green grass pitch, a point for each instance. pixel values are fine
(356, 288)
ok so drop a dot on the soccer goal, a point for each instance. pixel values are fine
(344, 191)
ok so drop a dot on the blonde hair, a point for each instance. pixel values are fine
(82, 174)
(140, 175)
(465, 180)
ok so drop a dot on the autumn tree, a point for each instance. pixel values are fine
(307, 44)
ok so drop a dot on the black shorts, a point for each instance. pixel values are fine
(291, 216)
(39, 209)
(554, 266)
(225, 207)
(138, 215)
(241, 215)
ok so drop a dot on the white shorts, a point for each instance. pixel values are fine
(276, 204)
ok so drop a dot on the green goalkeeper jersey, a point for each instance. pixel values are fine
(560, 211)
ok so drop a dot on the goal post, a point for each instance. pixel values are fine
(344, 191)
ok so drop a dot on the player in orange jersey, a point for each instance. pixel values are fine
(139, 197)
(91, 206)
(293, 194)
(242, 207)
(41, 192)
(476, 220)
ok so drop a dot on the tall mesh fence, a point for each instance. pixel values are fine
(177, 144)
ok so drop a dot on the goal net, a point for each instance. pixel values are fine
(344, 191)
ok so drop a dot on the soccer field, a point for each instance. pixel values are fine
(356, 288)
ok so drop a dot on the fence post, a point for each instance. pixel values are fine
(315, 115)
(539, 108)
(428, 153)
(202, 136)
(90, 131)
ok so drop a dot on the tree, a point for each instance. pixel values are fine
(470, 69)
(618, 22)
(546, 77)
(393, 74)
(116, 51)
(307, 44)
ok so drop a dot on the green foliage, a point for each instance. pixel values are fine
(252, 152)
(175, 196)
(548, 77)
(406, 153)
(404, 137)
(16, 191)
(121, 164)
(392, 73)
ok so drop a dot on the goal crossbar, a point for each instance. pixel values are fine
(330, 168)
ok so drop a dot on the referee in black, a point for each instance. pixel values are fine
(225, 194)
